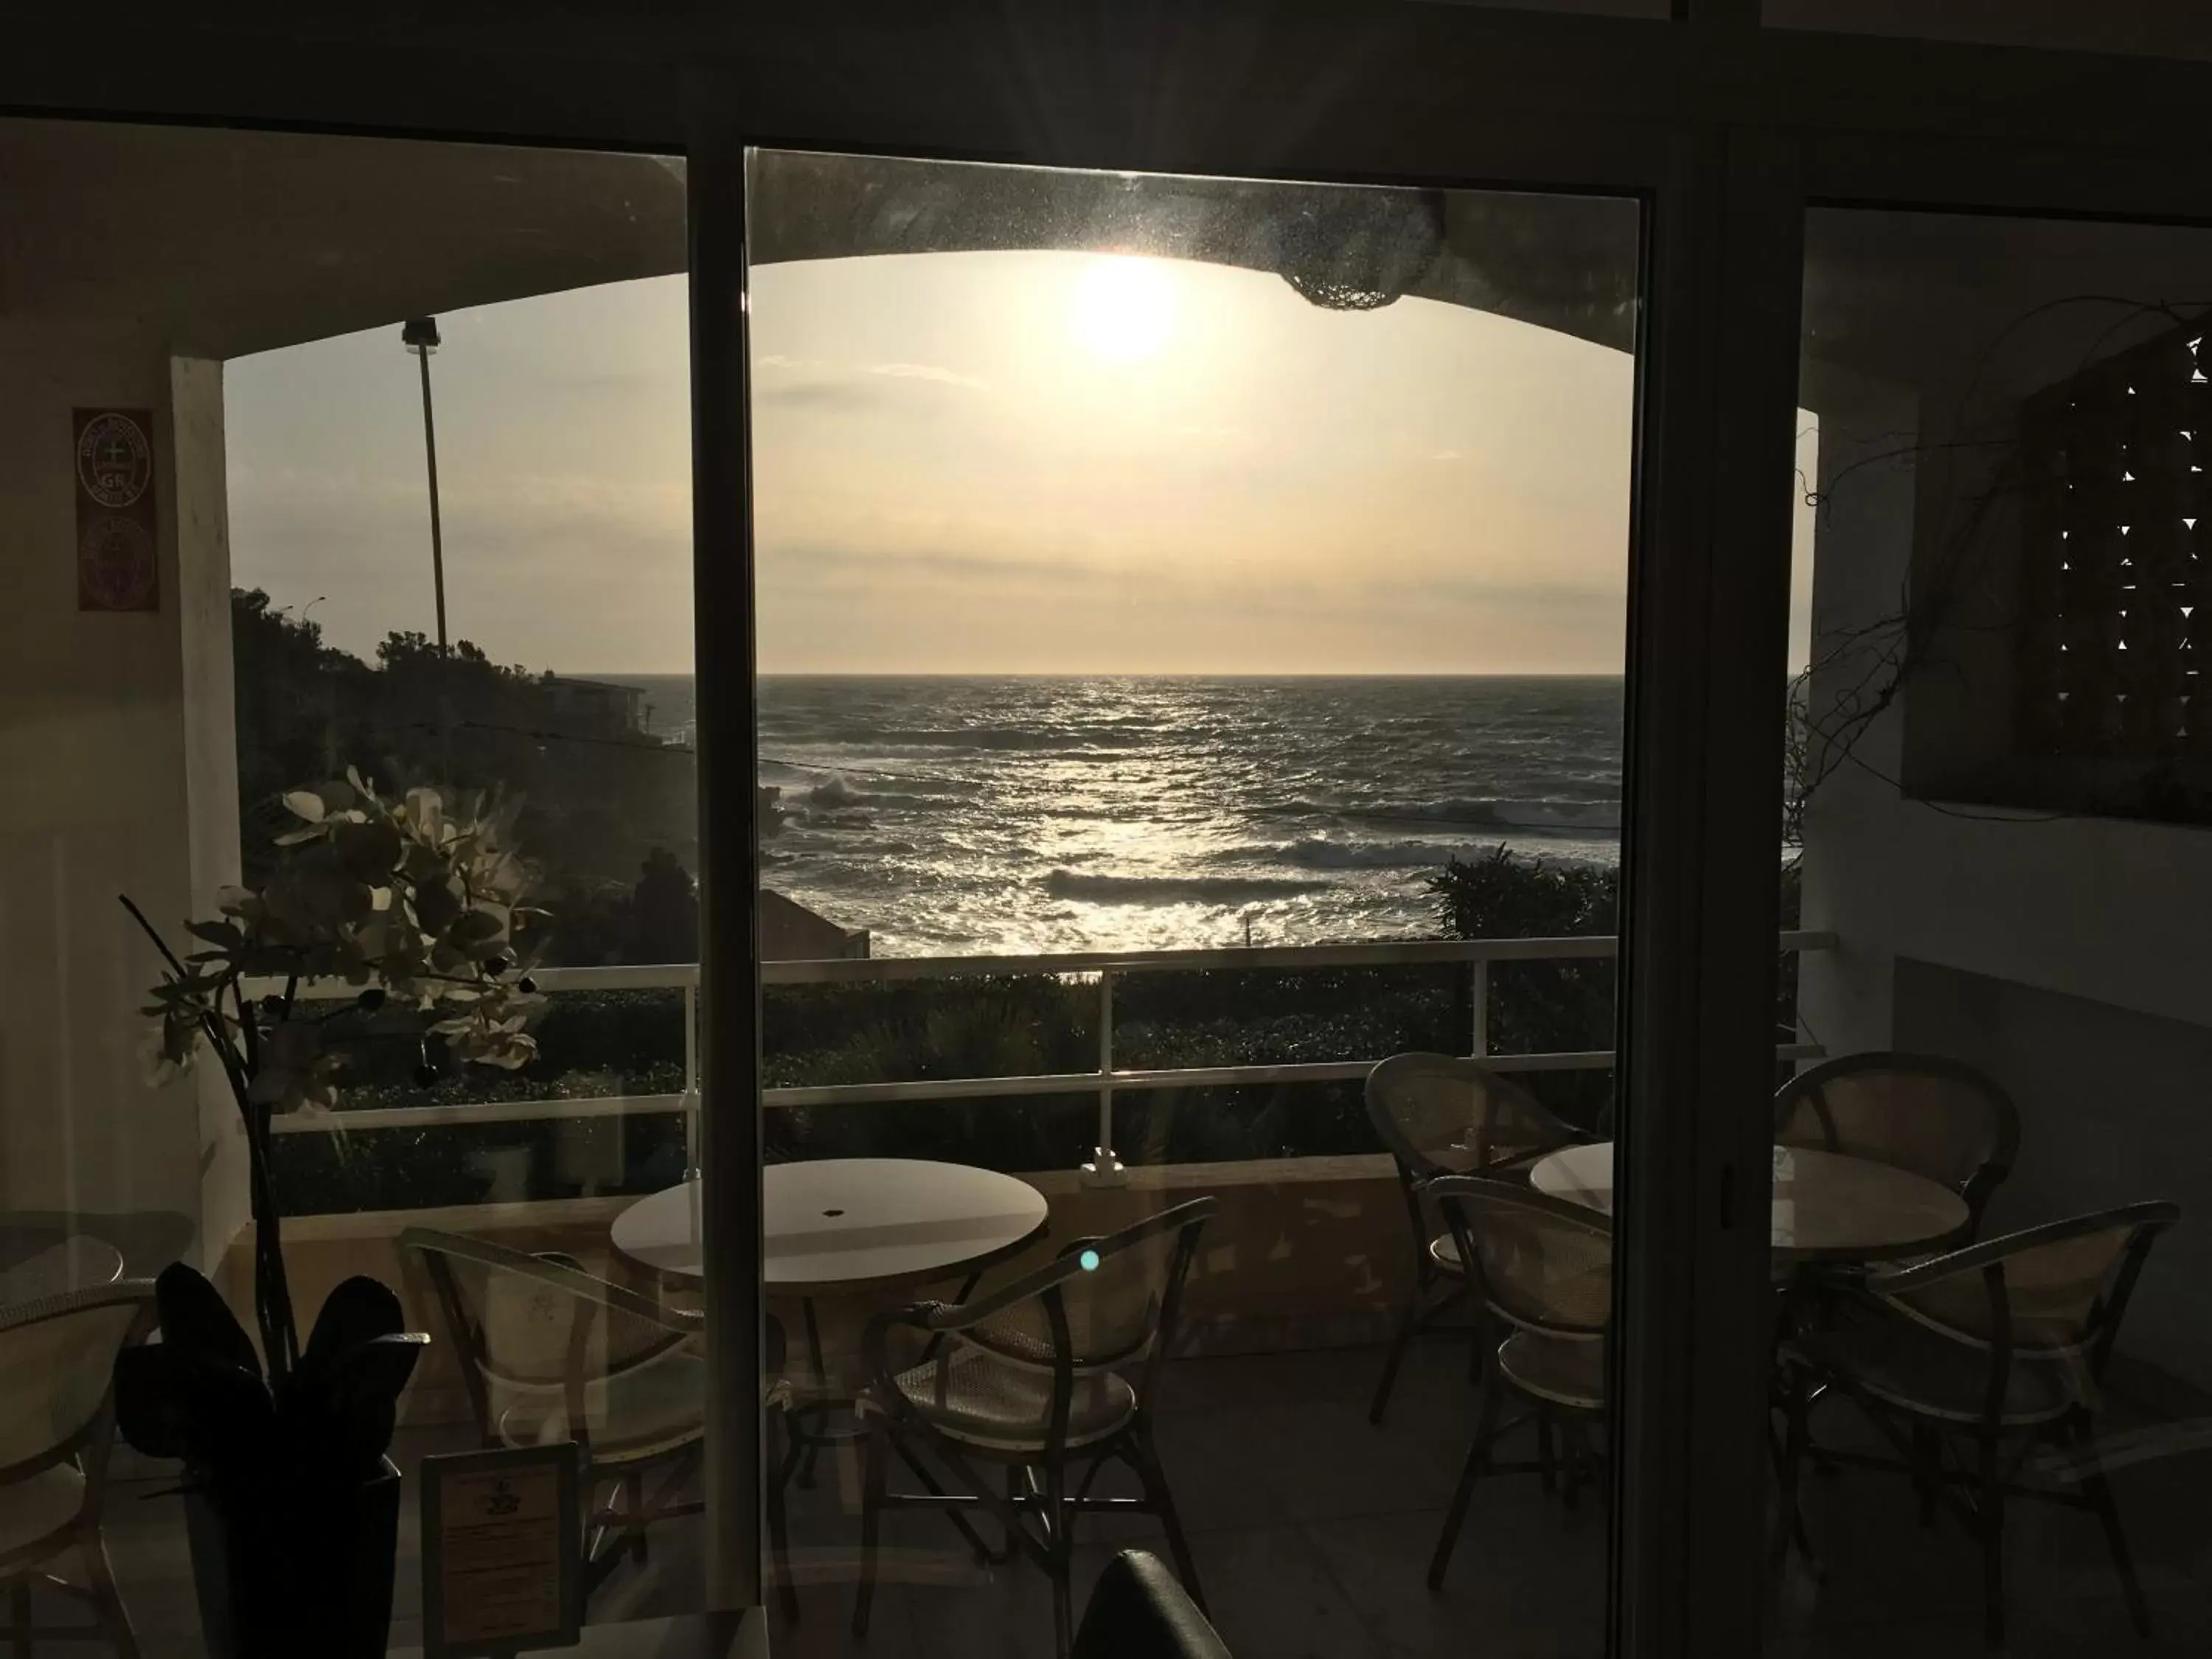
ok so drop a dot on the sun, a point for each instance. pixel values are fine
(1124, 307)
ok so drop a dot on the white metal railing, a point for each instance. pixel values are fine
(1105, 1082)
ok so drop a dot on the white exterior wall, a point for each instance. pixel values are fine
(107, 741)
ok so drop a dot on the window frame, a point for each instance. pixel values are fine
(1726, 132)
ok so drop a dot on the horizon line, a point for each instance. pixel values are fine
(1102, 674)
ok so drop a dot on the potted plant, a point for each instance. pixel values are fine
(292, 1505)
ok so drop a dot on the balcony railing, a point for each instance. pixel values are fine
(1106, 1081)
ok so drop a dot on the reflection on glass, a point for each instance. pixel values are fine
(1190, 625)
(2002, 794)
(2154, 28)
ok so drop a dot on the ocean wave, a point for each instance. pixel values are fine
(1000, 737)
(1171, 889)
(1320, 853)
(1477, 812)
(836, 793)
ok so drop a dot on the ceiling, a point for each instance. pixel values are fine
(219, 243)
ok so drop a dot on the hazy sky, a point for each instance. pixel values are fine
(1032, 462)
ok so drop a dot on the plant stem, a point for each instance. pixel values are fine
(160, 944)
(272, 1294)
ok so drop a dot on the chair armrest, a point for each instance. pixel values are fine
(875, 1358)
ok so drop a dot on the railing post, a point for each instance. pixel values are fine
(691, 1077)
(1105, 1168)
(1478, 1030)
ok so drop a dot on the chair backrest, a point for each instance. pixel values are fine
(1441, 1115)
(57, 1358)
(1934, 1116)
(1139, 1610)
(2057, 1290)
(1544, 1264)
(534, 1323)
(1101, 1302)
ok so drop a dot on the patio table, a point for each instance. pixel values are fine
(1828, 1206)
(845, 1224)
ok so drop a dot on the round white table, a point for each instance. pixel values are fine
(1827, 1206)
(842, 1223)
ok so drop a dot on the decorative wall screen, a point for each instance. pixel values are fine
(2114, 562)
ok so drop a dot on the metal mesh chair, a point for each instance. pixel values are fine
(57, 1427)
(1544, 1269)
(1968, 1362)
(1439, 1115)
(1919, 1112)
(549, 1352)
(1030, 1378)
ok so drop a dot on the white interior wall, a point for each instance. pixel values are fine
(2113, 1109)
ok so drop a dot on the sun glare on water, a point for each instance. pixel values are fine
(1124, 307)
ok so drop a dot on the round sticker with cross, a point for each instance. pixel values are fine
(114, 462)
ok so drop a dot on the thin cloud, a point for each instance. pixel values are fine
(928, 372)
(819, 394)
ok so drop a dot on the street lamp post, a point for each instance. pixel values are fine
(419, 336)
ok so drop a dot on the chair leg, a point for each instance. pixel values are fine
(1477, 1458)
(817, 1379)
(19, 1609)
(107, 1600)
(633, 1498)
(778, 1525)
(935, 1488)
(2099, 1492)
(872, 1508)
(1056, 1517)
(1548, 1454)
(1396, 1357)
(1927, 1469)
(1161, 1503)
(1992, 1529)
(1788, 1464)
(1017, 1490)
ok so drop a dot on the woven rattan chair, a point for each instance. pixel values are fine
(1919, 1112)
(1544, 1269)
(56, 1426)
(1030, 1378)
(1968, 1362)
(549, 1352)
(1439, 1115)
(1138, 1611)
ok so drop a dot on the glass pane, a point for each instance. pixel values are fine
(2155, 28)
(1999, 769)
(1190, 624)
(220, 414)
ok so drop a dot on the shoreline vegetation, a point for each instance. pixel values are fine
(609, 813)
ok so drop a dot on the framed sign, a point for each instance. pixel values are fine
(500, 1536)
(117, 531)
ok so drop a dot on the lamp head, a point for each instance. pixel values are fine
(419, 334)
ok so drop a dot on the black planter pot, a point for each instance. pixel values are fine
(295, 1571)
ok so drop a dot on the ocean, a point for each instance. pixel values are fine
(977, 815)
